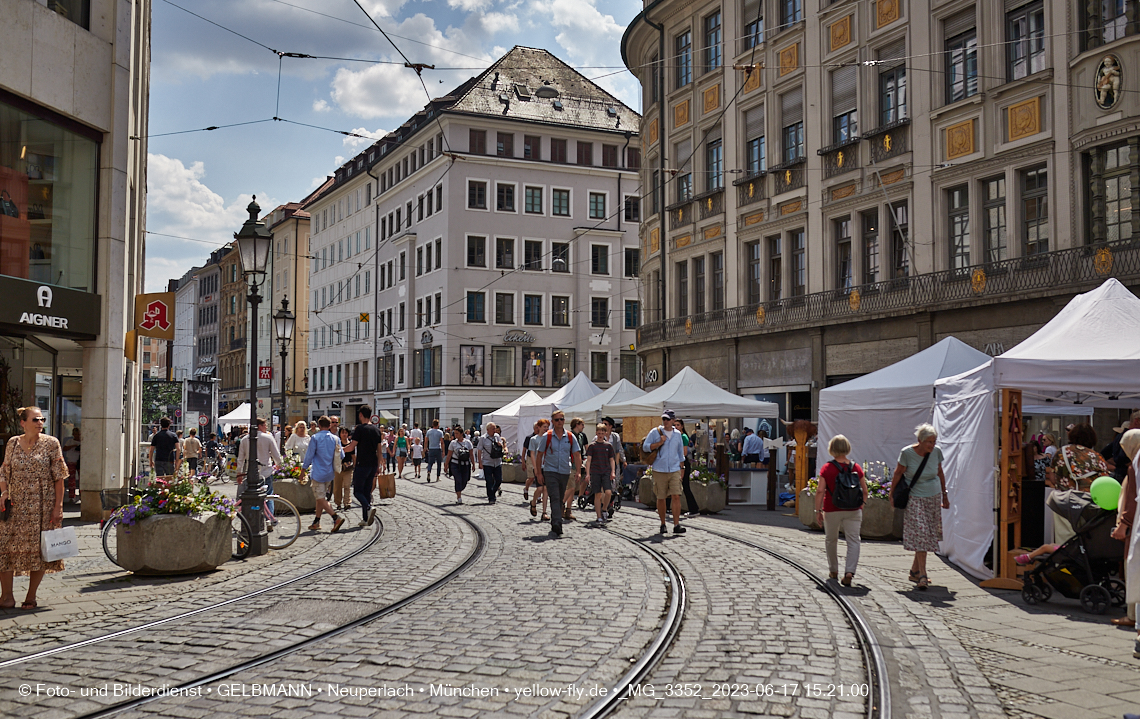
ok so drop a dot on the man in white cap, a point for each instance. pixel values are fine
(667, 467)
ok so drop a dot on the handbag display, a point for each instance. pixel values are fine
(56, 544)
(901, 495)
(8, 205)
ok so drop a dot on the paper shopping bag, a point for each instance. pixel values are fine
(58, 544)
(387, 486)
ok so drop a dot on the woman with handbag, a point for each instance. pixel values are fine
(342, 481)
(917, 485)
(31, 478)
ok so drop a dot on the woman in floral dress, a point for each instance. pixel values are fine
(32, 478)
(1074, 466)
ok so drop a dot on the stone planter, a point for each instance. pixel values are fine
(710, 497)
(645, 492)
(514, 474)
(880, 519)
(175, 544)
(805, 508)
(301, 495)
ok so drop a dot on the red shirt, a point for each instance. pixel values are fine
(829, 474)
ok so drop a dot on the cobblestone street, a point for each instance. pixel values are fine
(534, 625)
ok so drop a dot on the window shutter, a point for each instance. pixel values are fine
(714, 134)
(894, 51)
(751, 11)
(792, 107)
(681, 154)
(957, 24)
(754, 123)
(843, 89)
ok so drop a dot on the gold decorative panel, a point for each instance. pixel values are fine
(1024, 118)
(791, 207)
(841, 33)
(684, 240)
(655, 239)
(711, 232)
(753, 81)
(754, 219)
(681, 114)
(840, 192)
(789, 58)
(712, 98)
(892, 177)
(653, 131)
(886, 12)
(960, 140)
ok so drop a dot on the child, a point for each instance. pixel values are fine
(601, 467)
(417, 454)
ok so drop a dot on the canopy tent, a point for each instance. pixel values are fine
(507, 416)
(1084, 357)
(576, 391)
(386, 416)
(591, 409)
(241, 415)
(879, 411)
(690, 395)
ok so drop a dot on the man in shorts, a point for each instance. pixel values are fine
(319, 457)
(667, 467)
(601, 467)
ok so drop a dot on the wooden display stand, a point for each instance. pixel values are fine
(1010, 471)
(802, 460)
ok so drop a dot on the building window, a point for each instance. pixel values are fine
(532, 147)
(683, 288)
(685, 187)
(632, 314)
(599, 260)
(843, 269)
(585, 153)
(476, 251)
(477, 142)
(476, 196)
(419, 314)
(503, 366)
(959, 216)
(655, 200)
(632, 262)
(504, 308)
(609, 156)
(755, 150)
(632, 209)
(438, 259)
(504, 197)
(683, 45)
(1035, 210)
(560, 256)
(993, 211)
(900, 252)
(560, 311)
(844, 113)
(698, 285)
(962, 66)
(476, 307)
(792, 114)
(558, 151)
(752, 253)
(712, 42)
(791, 11)
(560, 203)
(870, 247)
(419, 261)
(798, 242)
(533, 200)
(633, 158)
(714, 165)
(597, 206)
(630, 367)
(532, 255)
(1112, 17)
(599, 370)
(775, 268)
(562, 366)
(599, 312)
(504, 144)
(717, 261)
(1025, 29)
(892, 95)
(793, 141)
(504, 253)
(532, 309)
(753, 21)
(1112, 190)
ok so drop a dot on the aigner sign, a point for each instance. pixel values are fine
(49, 310)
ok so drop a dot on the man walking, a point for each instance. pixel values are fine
(165, 450)
(753, 453)
(366, 443)
(434, 449)
(670, 448)
(323, 447)
(556, 456)
(489, 455)
(268, 457)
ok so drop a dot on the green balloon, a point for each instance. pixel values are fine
(1105, 492)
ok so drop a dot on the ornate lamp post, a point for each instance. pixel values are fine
(254, 242)
(283, 327)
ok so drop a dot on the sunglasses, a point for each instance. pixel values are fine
(559, 419)
(36, 419)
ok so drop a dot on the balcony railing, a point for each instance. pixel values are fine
(1070, 270)
(751, 189)
(889, 140)
(680, 214)
(790, 175)
(711, 203)
(840, 157)
(237, 343)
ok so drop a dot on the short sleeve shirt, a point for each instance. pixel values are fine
(600, 454)
(164, 443)
(1085, 465)
(367, 438)
(558, 456)
(434, 439)
(928, 485)
(829, 473)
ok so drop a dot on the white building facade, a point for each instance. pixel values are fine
(182, 360)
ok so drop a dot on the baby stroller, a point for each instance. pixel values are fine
(587, 500)
(1082, 567)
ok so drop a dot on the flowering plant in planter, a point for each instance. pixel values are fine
(178, 495)
(290, 469)
(707, 476)
(877, 476)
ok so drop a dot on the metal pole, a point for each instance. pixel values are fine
(284, 413)
(254, 494)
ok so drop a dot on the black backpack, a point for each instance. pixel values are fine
(462, 455)
(496, 450)
(848, 493)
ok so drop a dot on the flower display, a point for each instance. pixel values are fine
(178, 495)
(877, 475)
(290, 469)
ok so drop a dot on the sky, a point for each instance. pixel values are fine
(202, 75)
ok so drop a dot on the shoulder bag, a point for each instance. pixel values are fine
(901, 495)
(651, 456)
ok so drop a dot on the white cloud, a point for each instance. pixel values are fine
(378, 91)
(495, 22)
(321, 106)
(383, 8)
(370, 136)
(588, 36)
(469, 5)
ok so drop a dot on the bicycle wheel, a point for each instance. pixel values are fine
(241, 533)
(111, 536)
(288, 526)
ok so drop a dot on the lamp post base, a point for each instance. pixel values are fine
(252, 501)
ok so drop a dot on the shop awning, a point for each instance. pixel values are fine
(204, 371)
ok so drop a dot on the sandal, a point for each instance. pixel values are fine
(545, 517)
(923, 582)
(847, 579)
(914, 576)
(29, 604)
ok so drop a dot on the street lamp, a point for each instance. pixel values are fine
(283, 327)
(254, 241)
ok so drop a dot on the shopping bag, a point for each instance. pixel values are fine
(478, 474)
(58, 544)
(387, 486)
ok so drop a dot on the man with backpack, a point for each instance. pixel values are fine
(489, 454)
(556, 455)
(839, 504)
(459, 462)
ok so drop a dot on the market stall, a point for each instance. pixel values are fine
(576, 391)
(240, 416)
(507, 416)
(591, 409)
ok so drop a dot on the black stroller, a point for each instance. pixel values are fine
(1083, 567)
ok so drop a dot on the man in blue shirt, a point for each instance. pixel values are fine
(667, 468)
(434, 449)
(323, 448)
(754, 452)
(554, 453)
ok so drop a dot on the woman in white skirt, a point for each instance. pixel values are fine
(921, 466)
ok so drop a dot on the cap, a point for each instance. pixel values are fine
(610, 420)
(668, 414)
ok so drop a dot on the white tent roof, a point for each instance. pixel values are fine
(511, 409)
(621, 391)
(238, 416)
(691, 395)
(576, 391)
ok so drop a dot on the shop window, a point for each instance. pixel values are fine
(561, 366)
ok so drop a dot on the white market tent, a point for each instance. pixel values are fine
(576, 391)
(241, 415)
(507, 416)
(690, 395)
(1084, 357)
(879, 411)
(591, 409)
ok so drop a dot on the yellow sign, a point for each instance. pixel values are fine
(854, 300)
(689, 326)
(154, 315)
(363, 316)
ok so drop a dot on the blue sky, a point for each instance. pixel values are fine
(201, 75)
